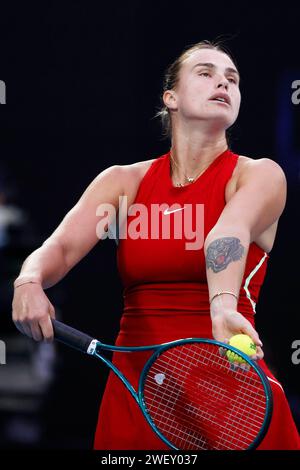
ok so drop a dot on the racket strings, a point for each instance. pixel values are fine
(198, 402)
(204, 429)
(252, 387)
(203, 414)
(165, 425)
(213, 391)
(218, 403)
(168, 419)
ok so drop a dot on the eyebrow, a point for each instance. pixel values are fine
(212, 66)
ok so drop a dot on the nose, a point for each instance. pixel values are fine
(223, 83)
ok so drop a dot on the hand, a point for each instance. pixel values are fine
(228, 323)
(32, 312)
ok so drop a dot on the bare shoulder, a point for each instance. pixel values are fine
(264, 169)
(247, 164)
(262, 176)
(132, 175)
(137, 169)
(122, 176)
(117, 180)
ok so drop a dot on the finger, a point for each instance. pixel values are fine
(52, 312)
(240, 366)
(19, 327)
(36, 331)
(17, 322)
(47, 328)
(23, 328)
(258, 355)
(244, 366)
(250, 331)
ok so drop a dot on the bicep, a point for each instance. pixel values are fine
(259, 199)
(80, 229)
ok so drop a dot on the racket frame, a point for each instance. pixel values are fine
(97, 346)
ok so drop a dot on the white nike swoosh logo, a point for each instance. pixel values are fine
(166, 212)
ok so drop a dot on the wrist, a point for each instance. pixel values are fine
(222, 301)
(21, 280)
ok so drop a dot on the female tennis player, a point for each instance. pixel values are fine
(192, 269)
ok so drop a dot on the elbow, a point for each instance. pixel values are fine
(58, 253)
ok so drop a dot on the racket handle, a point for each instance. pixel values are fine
(71, 337)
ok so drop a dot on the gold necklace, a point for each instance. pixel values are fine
(189, 179)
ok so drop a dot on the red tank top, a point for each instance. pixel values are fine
(166, 298)
(159, 274)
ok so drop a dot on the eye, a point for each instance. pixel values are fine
(232, 80)
(204, 73)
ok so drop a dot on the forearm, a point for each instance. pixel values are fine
(226, 250)
(46, 265)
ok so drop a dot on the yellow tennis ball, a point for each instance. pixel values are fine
(244, 343)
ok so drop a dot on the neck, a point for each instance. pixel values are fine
(195, 150)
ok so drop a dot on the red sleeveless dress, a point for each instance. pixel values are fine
(166, 296)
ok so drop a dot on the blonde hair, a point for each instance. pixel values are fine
(171, 79)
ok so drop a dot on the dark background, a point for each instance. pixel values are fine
(83, 83)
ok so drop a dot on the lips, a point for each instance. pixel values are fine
(221, 98)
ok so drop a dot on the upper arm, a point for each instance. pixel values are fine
(79, 230)
(259, 199)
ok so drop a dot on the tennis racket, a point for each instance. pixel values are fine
(190, 394)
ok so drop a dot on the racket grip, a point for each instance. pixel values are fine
(71, 337)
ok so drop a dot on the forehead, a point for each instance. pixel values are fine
(219, 58)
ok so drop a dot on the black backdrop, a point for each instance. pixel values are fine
(83, 81)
